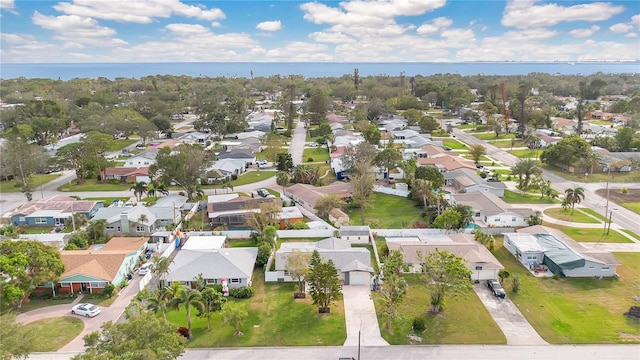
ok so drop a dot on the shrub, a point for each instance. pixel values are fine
(217, 287)
(300, 225)
(419, 324)
(264, 252)
(234, 177)
(624, 190)
(515, 283)
(108, 290)
(243, 292)
(183, 331)
(309, 159)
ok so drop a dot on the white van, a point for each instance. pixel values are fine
(144, 269)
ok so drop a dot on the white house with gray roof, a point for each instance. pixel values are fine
(233, 264)
(355, 234)
(466, 180)
(353, 263)
(490, 211)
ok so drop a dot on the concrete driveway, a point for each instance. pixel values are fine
(510, 320)
(360, 317)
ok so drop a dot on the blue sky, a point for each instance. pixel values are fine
(299, 31)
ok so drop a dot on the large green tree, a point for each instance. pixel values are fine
(362, 181)
(387, 159)
(143, 336)
(445, 274)
(327, 203)
(183, 166)
(432, 174)
(394, 287)
(324, 282)
(16, 339)
(298, 267)
(188, 298)
(566, 152)
(212, 301)
(25, 264)
(525, 169)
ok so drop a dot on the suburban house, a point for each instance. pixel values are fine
(230, 166)
(245, 155)
(490, 211)
(480, 260)
(355, 234)
(466, 180)
(204, 241)
(289, 216)
(446, 163)
(91, 270)
(540, 248)
(144, 159)
(56, 240)
(127, 174)
(137, 220)
(353, 263)
(307, 195)
(53, 211)
(338, 217)
(195, 137)
(232, 210)
(235, 265)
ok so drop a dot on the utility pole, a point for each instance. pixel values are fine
(606, 208)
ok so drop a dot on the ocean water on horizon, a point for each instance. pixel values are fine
(67, 71)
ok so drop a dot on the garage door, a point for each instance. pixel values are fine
(359, 278)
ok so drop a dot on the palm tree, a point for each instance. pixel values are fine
(161, 266)
(188, 299)
(227, 185)
(282, 179)
(160, 302)
(156, 187)
(591, 160)
(139, 189)
(424, 190)
(525, 168)
(574, 196)
(142, 219)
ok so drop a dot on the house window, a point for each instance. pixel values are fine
(212, 281)
(22, 219)
(287, 273)
(605, 268)
(234, 281)
(110, 228)
(497, 220)
(477, 215)
(513, 219)
(98, 284)
(41, 220)
(140, 228)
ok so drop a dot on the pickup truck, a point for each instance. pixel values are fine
(496, 288)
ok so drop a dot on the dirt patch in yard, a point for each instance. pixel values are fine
(632, 195)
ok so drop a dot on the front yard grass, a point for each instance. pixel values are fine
(94, 185)
(36, 181)
(387, 212)
(54, 333)
(633, 234)
(251, 177)
(565, 215)
(578, 310)
(275, 319)
(631, 176)
(38, 303)
(593, 213)
(492, 136)
(455, 144)
(591, 234)
(512, 197)
(121, 144)
(318, 154)
(463, 320)
(526, 153)
(506, 144)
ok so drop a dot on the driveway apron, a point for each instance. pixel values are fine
(510, 320)
(360, 317)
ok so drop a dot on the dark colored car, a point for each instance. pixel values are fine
(496, 288)
(263, 192)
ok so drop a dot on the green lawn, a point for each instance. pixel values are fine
(526, 153)
(455, 144)
(506, 144)
(253, 176)
(591, 234)
(36, 181)
(565, 215)
(387, 212)
(38, 303)
(633, 206)
(632, 176)
(108, 200)
(317, 154)
(463, 320)
(577, 310)
(94, 185)
(632, 233)
(512, 197)
(121, 144)
(593, 213)
(492, 136)
(275, 319)
(54, 333)
(502, 171)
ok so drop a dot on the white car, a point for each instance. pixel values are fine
(144, 269)
(86, 309)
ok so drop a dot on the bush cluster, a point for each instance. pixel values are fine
(243, 292)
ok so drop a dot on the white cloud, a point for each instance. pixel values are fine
(580, 33)
(620, 28)
(136, 11)
(77, 29)
(331, 37)
(436, 25)
(632, 35)
(269, 25)
(635, 20)
(187, 29)
(7, 5)
(524, 14)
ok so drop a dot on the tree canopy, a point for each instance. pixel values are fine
(445, 273)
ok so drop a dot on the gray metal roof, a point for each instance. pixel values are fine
(354, 231)
(230, 263)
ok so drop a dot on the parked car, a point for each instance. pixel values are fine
(86, 309)
(479, 166)
(496, 288)
(263, 192)
(141, 146)
(144, 269)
